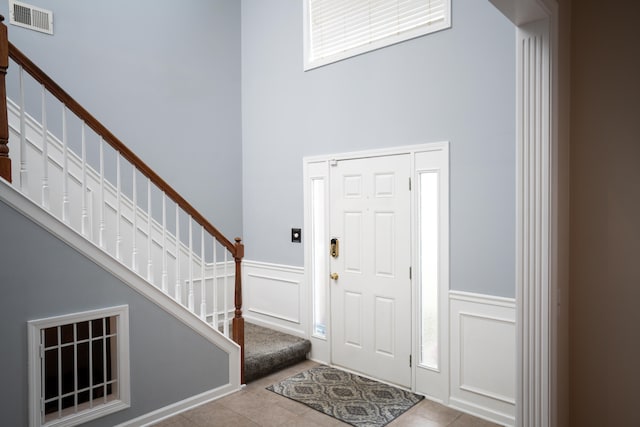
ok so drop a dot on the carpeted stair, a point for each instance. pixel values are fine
(267, 351)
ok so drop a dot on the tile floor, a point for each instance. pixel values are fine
(256, 406)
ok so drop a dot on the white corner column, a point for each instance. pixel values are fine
(533, 224)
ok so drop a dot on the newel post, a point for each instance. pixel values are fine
(238, 320)
(5, 161)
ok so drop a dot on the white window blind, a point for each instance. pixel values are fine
(337, 29)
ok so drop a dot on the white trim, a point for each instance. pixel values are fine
(479, 390)
(275, 315)
(274, 267)
(482, 298)
(123, 376)
(534, 241)
(258, 275)
(316, 169)
(378, 152)
(537, 319)
(481, 411)
(34, 212)
(487, 393)
(320, 164)
(179, 407)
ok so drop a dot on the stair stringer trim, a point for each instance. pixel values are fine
(44, 219)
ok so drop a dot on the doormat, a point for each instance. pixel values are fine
(347, 397)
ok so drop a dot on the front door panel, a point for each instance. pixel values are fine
(370, 299)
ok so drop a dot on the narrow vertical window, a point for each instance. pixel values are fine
(319, 248)
(429, 275)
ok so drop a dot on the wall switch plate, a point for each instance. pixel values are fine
(296, 235)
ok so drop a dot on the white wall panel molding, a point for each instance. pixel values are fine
(274, 296)
(482, 299)
(483, 355)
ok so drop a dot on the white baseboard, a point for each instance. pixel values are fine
(275, 296)
(178, 407)
(483, 356)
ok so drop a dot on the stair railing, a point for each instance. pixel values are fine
(126, 225)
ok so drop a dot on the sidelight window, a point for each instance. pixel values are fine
(429, 275)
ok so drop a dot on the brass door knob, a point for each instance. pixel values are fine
(334, 276)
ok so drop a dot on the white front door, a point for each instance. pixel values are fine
(371, 284)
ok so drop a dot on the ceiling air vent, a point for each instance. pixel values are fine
(27, 16)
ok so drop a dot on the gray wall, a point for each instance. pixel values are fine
(40, 276)
(456, 85)
(164, 77)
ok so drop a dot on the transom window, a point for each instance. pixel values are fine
(338, 29)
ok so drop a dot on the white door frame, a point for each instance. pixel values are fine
(317, 169)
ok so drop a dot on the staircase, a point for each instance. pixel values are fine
(268, 351)
(89, 181)
(93, 184)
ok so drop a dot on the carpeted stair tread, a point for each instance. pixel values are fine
(267, 351)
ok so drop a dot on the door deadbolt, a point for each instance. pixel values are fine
(334, 276)
(335, 248)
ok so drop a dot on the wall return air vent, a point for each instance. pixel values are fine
(27, 16)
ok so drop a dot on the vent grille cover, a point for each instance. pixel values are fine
(27, 16)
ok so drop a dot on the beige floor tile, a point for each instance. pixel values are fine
(214, 414)
(436, 412)
(412, 420)
(255, 406)
(176, 421)
(323, 420)
(466, 420)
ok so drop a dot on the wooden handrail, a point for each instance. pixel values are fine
(73, 106)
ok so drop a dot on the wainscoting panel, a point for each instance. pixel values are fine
(274, 296)
(483, 356)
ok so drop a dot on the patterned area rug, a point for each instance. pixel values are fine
(349, 398)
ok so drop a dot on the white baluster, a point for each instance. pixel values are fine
(85, 215)
(65, 168)
(215, 284)
(165, 276)
(190, 300)
(134, 220)
(24, 183)
(45, 153)
(149, 237)
(102, 219)
(226, 296)
(178, 284)
(118, 208)
(203, 282)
